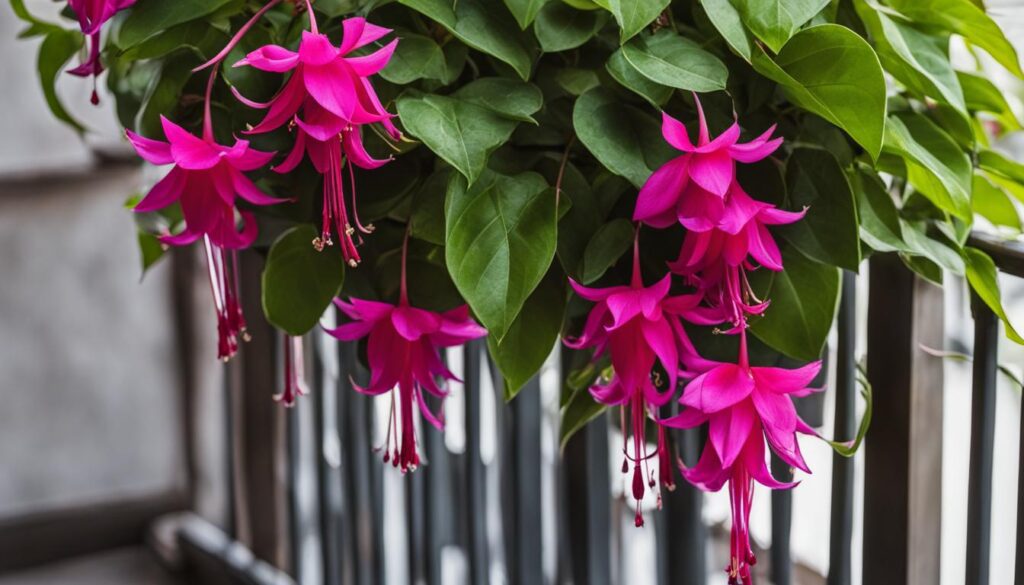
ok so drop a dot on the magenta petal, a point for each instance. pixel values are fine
(412, 323)
(352, 143)
(624, 306)
(294, 157)
(284, 106)
(700, 210)
(688, 419)
(675, 133)
(748, 153)
(183, 239)
(358, 32)
(729, 431)
(660, 338)
(763, 248)
(723, 141)
(164, 193)
(190, 152)
(719, 388)
(435, 420)
(152, 151)
(754, 461)
(316, 49)
(786, 381)
(271, 58)
(775, 216)
(371, 64)
(593, 329)
(713, 171)
(610, 394)
(352, 331)
(332, 86)
(370, 310)
(248, 102)
(708, 474)
(779, 419)
(247, 190)
(594, 294)
(250, 159)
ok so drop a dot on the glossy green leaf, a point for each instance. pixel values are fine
(879, 219)
(828, 232)
(483, 25)
(995, 162)
(634, 15)
(920, 244)
(147, 19)
(936, 166)
(415, 57)
(560, 27)
(966, 19)
(983, 96)
(533, 334)
(506, 97)
(299, 283)
(459, 132)
(623, 72)
(428, 208)
(675, 61)
(804, 298)
(627, 141)
(727, 20)
(994, 204)
(580, 410)
(525, 11)
(981, 273)
(831, 71)
(608, 244)
(57, 48)
(500, 241)
(774, 21)
(151, 250)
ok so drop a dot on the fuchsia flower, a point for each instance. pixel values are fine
(690, 188)
(335, 97)
(92, 15)
(403, 351)
(637, 326)
(744, 405)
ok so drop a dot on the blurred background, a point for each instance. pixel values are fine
(116, 428)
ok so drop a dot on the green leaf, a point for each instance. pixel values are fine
(994, 162)
(151, 250)
(634, 15)
(920, 244)
(163, 95)
(623, 72)
(983, 96)
(879, 219)
(981, 273)
(299, 282)
(581, 409)
(577, 81)
(775, 21)
(525, 11)
(416, 57)
(55, 51)
(726, 19)
(533, 334)
(483, 25)
(146, 19)
(560, 27)
(509, 98)
(627, 141)
(36, 26)
(461, 133)
(831, 71)
(828, 233)
(935, 164)
(428, 208)
(500, 241)
(608, 244)
(966, 19)
(675, 61)
(849, 448)
(918, 60)
(994, 204)
(804, 298)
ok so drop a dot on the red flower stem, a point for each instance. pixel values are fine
(207, 118)
(637, 281)
(312, 18)
(238, 36)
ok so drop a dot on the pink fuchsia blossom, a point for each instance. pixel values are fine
(692, 185)
(637, 327)
(403, 351)
(327, 98)
(743, 406)
(92, 15)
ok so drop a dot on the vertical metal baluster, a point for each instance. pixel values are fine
(983, 412)
(325, 395)
(588, 482)
(682, 543)
(527, 564)
(415, 526)
(782, 522)
(476, 509)
(841, 529)
(439, 512)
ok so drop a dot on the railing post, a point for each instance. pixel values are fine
(782, 524)
(526, 565)
(841, 538)
(903, 459)
(983, 425)
(682, 544)
(476, 498)
(588, 502)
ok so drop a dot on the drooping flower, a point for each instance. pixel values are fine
(743, 406)
(402, 349)
(637, 327)
(332, 91)
(689, 188)
(92, 15)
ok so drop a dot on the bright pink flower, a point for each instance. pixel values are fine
(638, 327)
(744, 405)
(691, 186)
(403, 351)
(335, 97)
(92, 15)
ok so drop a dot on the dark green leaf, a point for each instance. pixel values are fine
(879, 219)
(675, 61)
(981, 273)
(577, 81)
(623, 72)
(509, 98)
(525, 11)
(775, 21)
(726, 19)
(935, 164)
(416, 57)
(163, 95)
(609, 243)
(151, 250)
(581, 409)
(147, 19)
(58, 46)
(299, 282)
(560, 27)
(500, 240)
(633, 15)
(428, 208)
(920, 244)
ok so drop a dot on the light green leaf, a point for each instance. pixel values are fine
(920, 244)
(994, 162)
(627, 141)
(608, 244)
(147, 19)
(994, 204)
(623, 72)
(57, 48)
(804, 298)
(634, 15)
(828, 233)
(500, 241)
(461, 133)
(299, 282)
(483, 25)
(560, 27)
(675, 61)
(981, 273)
(528, 343)
(775, 21)
(935, 164)
(831, 71)
(505, 97)
(983, 96)
(525, 11)
(416, 57)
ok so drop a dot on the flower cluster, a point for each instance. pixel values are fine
(333, 94)
(92, 15)
(726, 238)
